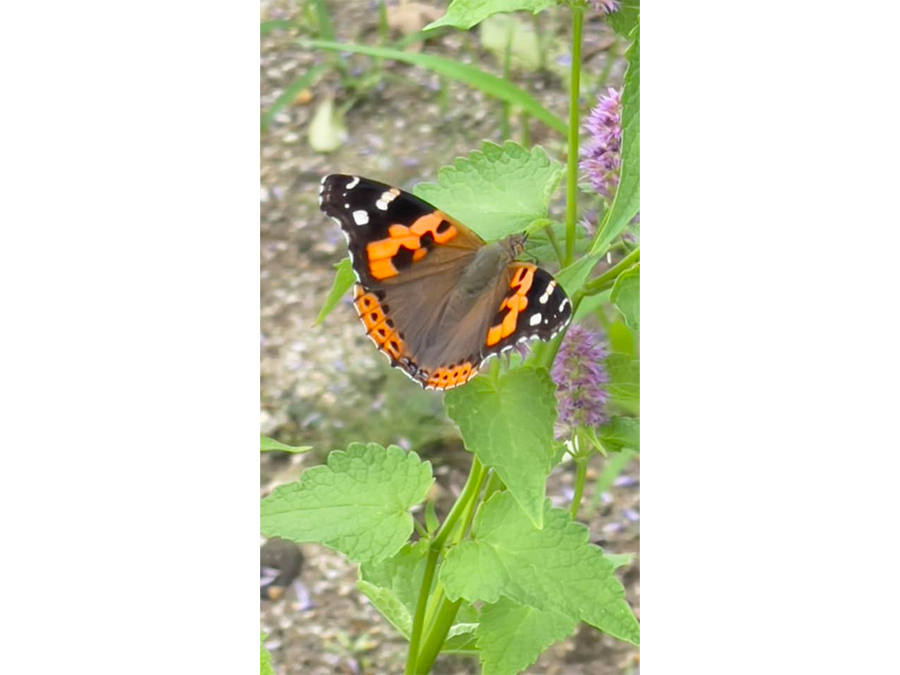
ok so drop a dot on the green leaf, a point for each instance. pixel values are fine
(265, 659)
(357, 504)
(626, 294)
(504, 31)
(624, 378)
(303, 82)
(540, 248)
(431, 520)
(327, 131)
(552, 569)
(627, 201)
(619, 559)
(621, 432)
(267, 444)
(467, 13)
(508, 424)
(460, 639)
(393, 584)
(590, 304)
(621, 337)
(490, 84)
(625, 18)
(573, 277)
(393, 587)
(344, 278)
(511, 636)
(498, 190)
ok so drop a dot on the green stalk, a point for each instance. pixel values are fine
(443, 621)
(581, 466)
(574, 89)
(469, 494)
(606, 279)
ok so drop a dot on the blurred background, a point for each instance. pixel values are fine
(326, 112)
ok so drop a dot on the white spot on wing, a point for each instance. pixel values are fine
(546, 296)
(353, 183)
(360, 217)
(381, 205)
(563, 304)
(534, 320)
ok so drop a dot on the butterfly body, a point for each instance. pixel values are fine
(433, 296)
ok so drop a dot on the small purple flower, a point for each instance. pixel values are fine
(601, 155)
(580, 375)
(605, 6)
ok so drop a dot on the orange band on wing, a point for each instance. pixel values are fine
(515, 303)
(379, 253)
(446, 378)
(430, 223)
(378, 325)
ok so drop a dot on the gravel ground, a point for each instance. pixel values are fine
(326, 386)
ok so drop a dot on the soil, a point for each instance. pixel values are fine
(326, 386)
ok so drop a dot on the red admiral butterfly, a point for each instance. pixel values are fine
(433, 295)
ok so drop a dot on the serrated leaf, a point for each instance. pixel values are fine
(621, 432)
(496, 191)
(390, 607)
(626, 294)
(624, 377)
(508, 424)
(552, 569)
(467, 13)
(344, 278)
(267, 444)
(500, 32)
(265, 659)
(627, 201)
(511, 636)
(357, 504)
(625, 18)
(393, 584)
(490, 84)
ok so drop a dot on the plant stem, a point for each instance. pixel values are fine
(551, 236)
(606, 279)
(581, 466)
(469, 493)
(443, 621)
(574, 89)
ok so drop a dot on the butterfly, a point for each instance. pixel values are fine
(434, 297)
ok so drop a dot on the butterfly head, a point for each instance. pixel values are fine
(515, 244)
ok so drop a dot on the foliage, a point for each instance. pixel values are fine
(267, 444)
(505, 574)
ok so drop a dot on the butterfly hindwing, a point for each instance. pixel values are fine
(535, 306)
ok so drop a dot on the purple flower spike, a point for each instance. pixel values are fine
(580, 375)
(601, 155)
(605, 6)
